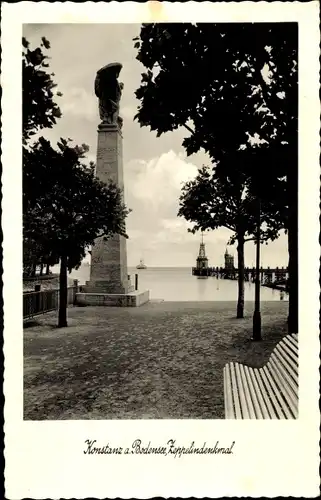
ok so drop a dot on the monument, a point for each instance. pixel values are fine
(109, 282)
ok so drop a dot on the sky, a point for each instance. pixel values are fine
(154, 168)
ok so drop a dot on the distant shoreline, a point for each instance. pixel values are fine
(134, 266)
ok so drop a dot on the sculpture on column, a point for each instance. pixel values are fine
(108, 90)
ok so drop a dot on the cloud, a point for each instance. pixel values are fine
(79, 103)
(159, 181)
(152, 190)
(154, 168)
(128, 112)
(156, 233)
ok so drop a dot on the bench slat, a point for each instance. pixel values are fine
(264, 393)
(228, 396)
(257, 400)
(293, 341)
(247, 393)
(236, 400)
(289, 405)
(273, 379)
(269, 386)
(286, 385)
(241, 392)
(260, 391)
(268, 392)
(284, 360)
(283, 373)
(288, 357)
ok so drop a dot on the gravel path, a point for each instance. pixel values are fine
(162, 360)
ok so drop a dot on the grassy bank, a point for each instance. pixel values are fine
(162, 360)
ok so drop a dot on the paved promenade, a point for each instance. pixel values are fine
(162, 360)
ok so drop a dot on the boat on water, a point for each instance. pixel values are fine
(141, 265)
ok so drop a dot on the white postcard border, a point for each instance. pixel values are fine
(46, 459)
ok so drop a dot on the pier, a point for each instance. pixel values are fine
(270, 277)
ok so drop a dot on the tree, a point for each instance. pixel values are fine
(33, 254)
(232, 86)
(39, 109)
(211, 202)
(66, 208)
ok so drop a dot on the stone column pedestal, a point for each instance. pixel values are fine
(109, 258)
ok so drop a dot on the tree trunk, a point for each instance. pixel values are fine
(240, 265)
(47, 269)
(62, 321)
(33, 272)
(292, 192)
(41, 269)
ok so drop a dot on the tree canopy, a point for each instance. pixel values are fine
(211, 202)
(65, 206)
(39, 107)
(234, 87)
(228, 84)
(40, 111)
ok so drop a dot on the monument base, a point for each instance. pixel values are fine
(132, 299)
(108, 288)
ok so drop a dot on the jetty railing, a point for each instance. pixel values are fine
(42, 301)
(267, 275)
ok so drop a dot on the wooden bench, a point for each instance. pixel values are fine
(264, 393)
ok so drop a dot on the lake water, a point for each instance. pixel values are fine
(178, 284)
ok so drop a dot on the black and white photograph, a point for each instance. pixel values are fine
(163, 235)
(197, 127)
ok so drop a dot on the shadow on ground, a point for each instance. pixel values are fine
(31, 323)
(162, 360)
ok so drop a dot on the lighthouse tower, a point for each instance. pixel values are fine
(202, 260)
(229, 261)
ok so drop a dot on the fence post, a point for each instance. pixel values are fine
(75, 291)
(37, 298)
(136, 281)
